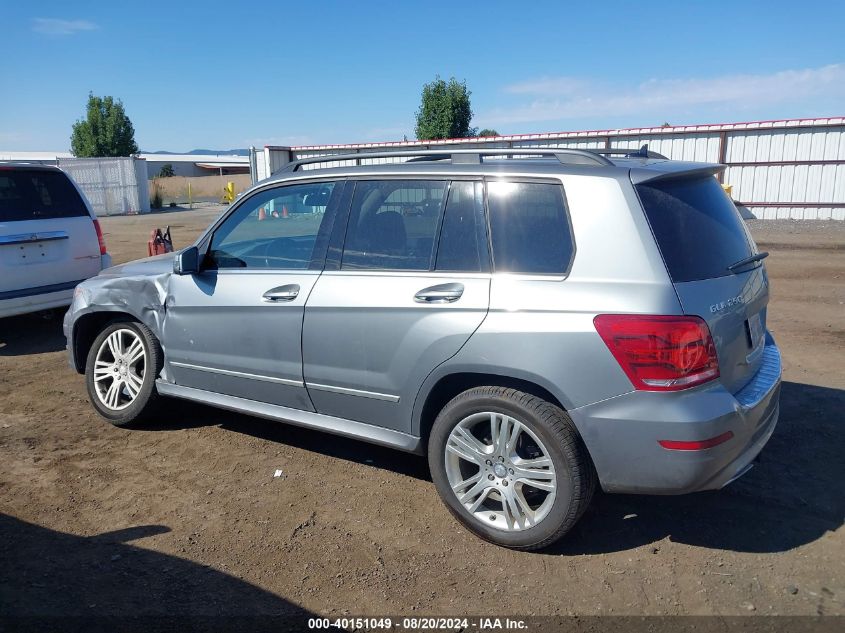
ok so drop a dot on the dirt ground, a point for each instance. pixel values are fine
(186, 517)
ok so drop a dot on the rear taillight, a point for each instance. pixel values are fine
(100, 237)
(660, 353)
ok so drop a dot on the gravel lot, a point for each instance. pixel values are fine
(187, 518)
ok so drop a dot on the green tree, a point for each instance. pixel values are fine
(488, 132)
(105, 130)
(445, 110)
(166, 171)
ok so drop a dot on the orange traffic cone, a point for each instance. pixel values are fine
(284, 210)
(262, 214)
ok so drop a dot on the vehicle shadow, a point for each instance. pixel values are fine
(182, 414)
(793, 496)
(35, 333)
(51, 580)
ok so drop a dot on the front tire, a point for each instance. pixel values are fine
(510, 466)
(120, 373)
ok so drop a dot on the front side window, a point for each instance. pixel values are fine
(393, 224)
(529, 228)
(276, 228)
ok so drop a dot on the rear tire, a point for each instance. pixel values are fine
(524, 490)
(120, 373)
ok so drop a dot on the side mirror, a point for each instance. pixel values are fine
(187, 262)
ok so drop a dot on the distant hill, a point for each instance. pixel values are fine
(228, 152)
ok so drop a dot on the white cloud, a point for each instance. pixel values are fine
(550, 86)
(55, 26)
(568, 98)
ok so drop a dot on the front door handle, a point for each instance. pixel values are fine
(444, 293)
(281, 293)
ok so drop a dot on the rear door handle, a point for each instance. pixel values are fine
(443, 293)
(281, 293)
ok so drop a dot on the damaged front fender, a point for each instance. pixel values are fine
(137, 289)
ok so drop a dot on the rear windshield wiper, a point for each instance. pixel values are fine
(748, 260)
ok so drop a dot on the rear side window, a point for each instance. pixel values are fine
(393, 224)
(35, 194)
(697, 227)
(529, 228)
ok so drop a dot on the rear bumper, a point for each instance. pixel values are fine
(27, 300)
(622, 433)
(36, 302)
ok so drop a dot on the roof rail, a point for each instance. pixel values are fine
(474, 156)
(643, 152)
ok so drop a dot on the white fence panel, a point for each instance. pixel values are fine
(113, 186)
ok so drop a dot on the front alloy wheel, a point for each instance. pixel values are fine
(119, 369)
(122, 365)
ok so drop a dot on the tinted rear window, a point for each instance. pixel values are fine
(698, 228)
(35, 194)
(529, 228)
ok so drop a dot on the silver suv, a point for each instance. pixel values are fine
(535, 321)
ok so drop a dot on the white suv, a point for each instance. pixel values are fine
(50, 240)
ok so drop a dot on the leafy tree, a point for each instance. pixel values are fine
(445, 110)
(105, 130)
(488, 132)
(166, 171)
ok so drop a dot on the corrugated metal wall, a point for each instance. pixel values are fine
(778, 169)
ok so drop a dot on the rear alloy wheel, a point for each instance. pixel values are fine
(510, 466)
(120, 372)
(505, 479)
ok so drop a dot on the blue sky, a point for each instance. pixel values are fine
(233, 74)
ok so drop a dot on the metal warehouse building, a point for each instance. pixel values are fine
(777, 169)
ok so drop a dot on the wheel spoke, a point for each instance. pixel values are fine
(485, 492)
(469, 444)
(524, 507)
(505, 431)
(536, 462)
(135, 381)
(478, 489)
(535, 477)
(102, 374)
(113, 394)
(131, 387)
(463, 450)
(466, 483)
(510, 442)
(134, 352)
(496, 422)
(113, 342)
(513, 515)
